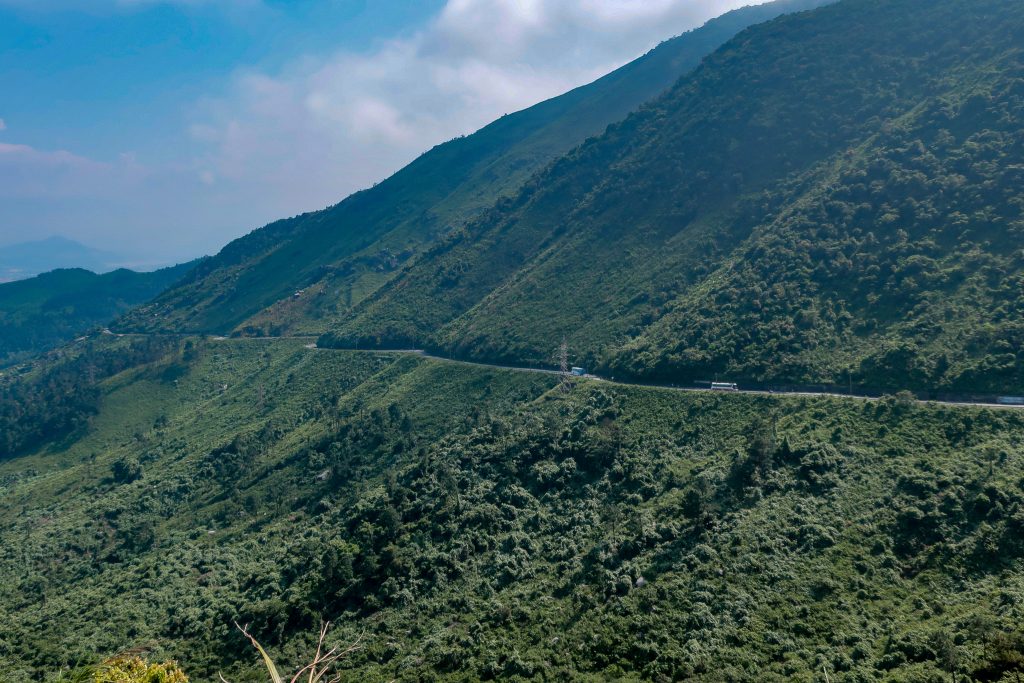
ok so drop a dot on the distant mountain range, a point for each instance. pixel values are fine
(27, 259)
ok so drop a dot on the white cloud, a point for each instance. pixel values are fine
(272, 144)
(3, 125)
(319, 129)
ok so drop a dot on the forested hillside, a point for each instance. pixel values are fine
(298, 274)
(832, 196)
(45, 311)
(478, 524)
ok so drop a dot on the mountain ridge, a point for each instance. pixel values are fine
(831, 194)
(338, 256)
(666, 203)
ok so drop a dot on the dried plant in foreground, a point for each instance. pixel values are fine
(320, 670)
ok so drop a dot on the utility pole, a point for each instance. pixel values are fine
(563, 366)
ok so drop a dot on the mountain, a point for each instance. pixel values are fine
(828, 193)
(27, 259)
(298, 274)
(47, 310)
(832, 196)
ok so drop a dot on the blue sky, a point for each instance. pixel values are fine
(163, 129)
(124, 69)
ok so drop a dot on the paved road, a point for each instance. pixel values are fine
(751, 392)
(598, 378)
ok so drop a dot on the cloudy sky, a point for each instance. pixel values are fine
(164, 128)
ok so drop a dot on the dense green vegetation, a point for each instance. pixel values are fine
(299, 274)
(45, 311)
(474, 523)
(831, 197)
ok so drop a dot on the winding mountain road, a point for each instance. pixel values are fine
(312, 345)
(670, 387)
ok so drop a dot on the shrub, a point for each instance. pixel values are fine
(137, 670)
(126, 470)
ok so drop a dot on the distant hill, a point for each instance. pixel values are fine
(44, 311)
(27, 259)
(300, 274)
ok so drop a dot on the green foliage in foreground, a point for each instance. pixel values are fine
(134, 669)
(137, 670)
(471, 523)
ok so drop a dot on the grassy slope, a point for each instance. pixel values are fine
(476, 524)
(42, 312)
(342, 254)
(781, 215)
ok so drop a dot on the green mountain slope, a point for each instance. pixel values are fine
(45, 311)
(338, 256)
(482, 524)
(831, 197)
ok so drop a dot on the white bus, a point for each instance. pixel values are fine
(724, 386)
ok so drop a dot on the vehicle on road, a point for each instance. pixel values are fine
(724, 386)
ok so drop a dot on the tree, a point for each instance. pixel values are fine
(126, 470)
